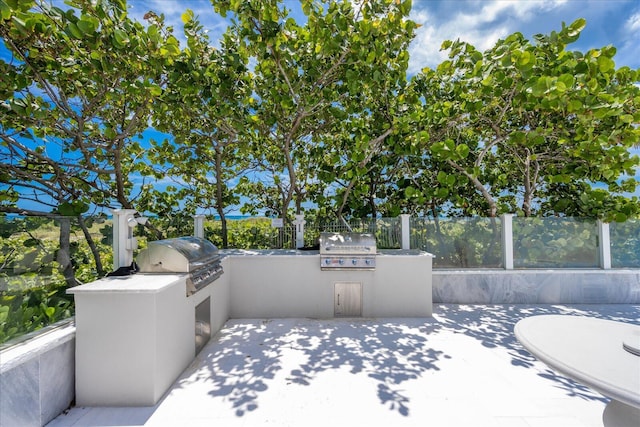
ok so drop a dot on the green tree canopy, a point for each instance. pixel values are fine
(80, 90)
(319, 88)
(289, 113)
(522, 121)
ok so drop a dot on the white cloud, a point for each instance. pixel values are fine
(173, 10)
(480, 23)
(628, 47)
(632, 26)
(425, 48)
(522, 10)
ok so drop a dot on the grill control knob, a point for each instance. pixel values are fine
(341, 262)
(354, 261)
(367, 261)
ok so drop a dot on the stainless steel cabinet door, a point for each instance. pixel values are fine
(347, 299)
(203, 324)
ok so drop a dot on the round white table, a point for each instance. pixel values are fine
(602, 354)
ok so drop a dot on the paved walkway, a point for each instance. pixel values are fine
(463, 367)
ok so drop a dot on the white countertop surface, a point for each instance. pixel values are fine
(587, 349)
(296, 252)
(135, 283)
(266, 252)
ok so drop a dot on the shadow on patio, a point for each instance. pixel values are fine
(463, 366)
(248, 354)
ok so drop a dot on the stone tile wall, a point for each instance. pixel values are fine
(37, 378)
(536, 286)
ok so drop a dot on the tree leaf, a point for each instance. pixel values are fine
(5, 11)
(606, 64)
(462, 150)
(577, 26)
(74, 31)
(86, 26)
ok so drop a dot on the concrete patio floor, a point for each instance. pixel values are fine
(463, 367)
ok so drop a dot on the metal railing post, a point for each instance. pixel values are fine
(299, 231)
(405, 226)
(507, 241)
(604, 245)
(198, 226)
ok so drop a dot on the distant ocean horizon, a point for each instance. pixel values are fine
(214, 217)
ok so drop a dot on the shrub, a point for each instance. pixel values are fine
(23, 311)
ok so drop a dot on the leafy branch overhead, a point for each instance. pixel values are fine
(529, 120)
(310, 110)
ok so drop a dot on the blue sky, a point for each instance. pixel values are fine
(479, 22)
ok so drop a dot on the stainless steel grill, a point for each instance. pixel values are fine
(193, 255)
(347, 251)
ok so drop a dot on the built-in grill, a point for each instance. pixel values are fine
(347, 251)
(194, 255)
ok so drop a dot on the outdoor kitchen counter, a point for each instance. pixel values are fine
(134, 336)
(299, 252)
(290, 283)
(130, 284)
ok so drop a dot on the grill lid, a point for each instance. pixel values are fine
(179, 255)
(193, 255)
(347, 244)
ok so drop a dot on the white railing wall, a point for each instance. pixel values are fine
(604, 237)
(508, 242)
(198, 225)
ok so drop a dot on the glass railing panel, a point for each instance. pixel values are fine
(389, 233)
(459, 242)
(625, 244)
(32, 284)
(27, 252)
(251, 233)
(555, 243)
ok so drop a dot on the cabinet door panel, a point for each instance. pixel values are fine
(347, 299)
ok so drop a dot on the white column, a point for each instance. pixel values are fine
(604, 247)
(405, 226)
(198, 226)
(123, 241)
(299, 222)
(507, 241)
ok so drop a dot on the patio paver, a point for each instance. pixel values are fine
(463, 367)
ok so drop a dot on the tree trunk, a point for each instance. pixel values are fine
(436, 223)
(528, 193)
(493, 207)
(372, 198)
(224, 230)
(92, 246)
(299, 200)
(219, 198)
(64, 252)
(532, 172)
(150, 226)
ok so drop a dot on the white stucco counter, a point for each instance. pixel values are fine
(307, 253)
(136, 283)
(290, 283)
(134, 336)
